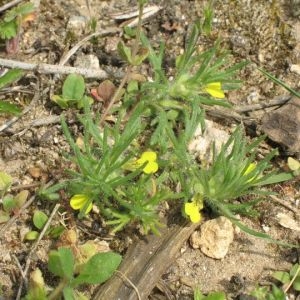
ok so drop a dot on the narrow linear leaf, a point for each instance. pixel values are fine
(10, 77)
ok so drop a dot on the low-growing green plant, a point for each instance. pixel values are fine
(10, 204)
(289, 279)
(9, 77)
(233, 173)
(129, 168)
(268, 293)
(62, 263)
(211, 296)
(39, 220)
(73, 93)
(199, 80)
(125, 172)
(11, 24)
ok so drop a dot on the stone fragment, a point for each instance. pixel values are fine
(88, 61)
(288, 222)
(295, 69)
(283, 125)
(77, 25)
(201, 144)
(215, 237)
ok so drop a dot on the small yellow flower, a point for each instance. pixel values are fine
(192, 209)
(215, 90)
(148, 157)
(78, 202)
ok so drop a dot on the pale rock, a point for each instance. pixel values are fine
(201, 144)
(195, 240)
(288, 222)
(77, 25)
(215, 237)
(88, 61)
(295, 69)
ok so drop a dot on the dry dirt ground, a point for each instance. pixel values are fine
(265, 32)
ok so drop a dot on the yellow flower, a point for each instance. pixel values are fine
(79, 201)
(192, 209)
(148, 157)
(215, 90)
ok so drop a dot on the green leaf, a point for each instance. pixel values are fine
(8, 203)
(31, 235)
(6, 107)
(36, 289)
(294, 270)
(140, 56)
(216, 296)
(80, 102)
(5, 181)
(4, 216)
(276, 178)
(21, 198)
(61, 263)
(279, 82)
(10, 77)
(277, 293)
(98, 268)
(19, 11)
(73, 87)
(39, 219)
(8, 30)
(68, 293)
(60, 101)
(56, 232)
(296, 284)
(283, 277)
(125, 52)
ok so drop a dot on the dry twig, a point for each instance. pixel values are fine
(53, 69)
(9, 5)
(34, 247)
(73, 50)
(25, 111)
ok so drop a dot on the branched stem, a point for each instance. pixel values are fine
(58, 290)
(135, 49)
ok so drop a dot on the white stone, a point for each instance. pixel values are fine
(295, 69)
(215, 237)
(288, 222)
(88, 61)
(201, 144)
(77, 24)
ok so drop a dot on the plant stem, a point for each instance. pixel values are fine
(135, 49)
(58, 290)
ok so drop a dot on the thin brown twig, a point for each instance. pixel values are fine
(9, 5)
(274, 102)
(286, 205)
(74, 49)
(124, 277)
(25, 111)
(129, 68)
(292, 281)
(15, 217)
(25, 186)
(34, 247)
(19, 266)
